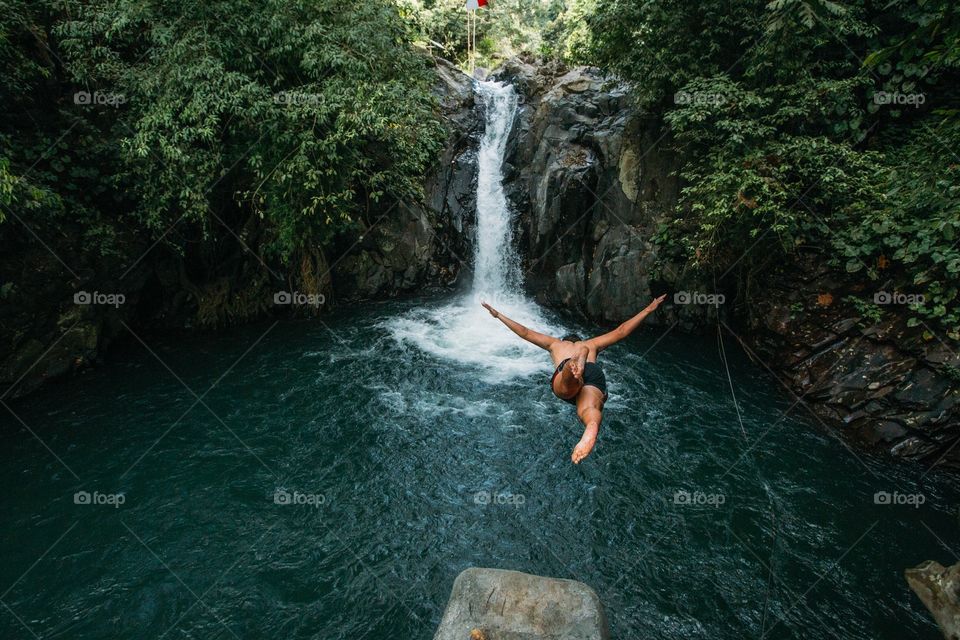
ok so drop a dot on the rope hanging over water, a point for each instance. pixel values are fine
(773, 514)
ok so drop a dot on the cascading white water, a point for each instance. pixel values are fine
(495, 263)
(463, 330)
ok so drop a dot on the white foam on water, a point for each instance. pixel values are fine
(463, 330)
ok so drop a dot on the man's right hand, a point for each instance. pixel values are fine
(493, 312)
(656, 303)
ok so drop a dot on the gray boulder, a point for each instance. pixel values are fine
(938, 587)
(493, 604)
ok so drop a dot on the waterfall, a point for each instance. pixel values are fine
(496, 266)
(462, 330)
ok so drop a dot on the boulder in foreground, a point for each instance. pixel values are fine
(493, 604)
(939, 589)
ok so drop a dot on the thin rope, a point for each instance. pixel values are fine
(723, 357)
(766, 598)
(773, 513)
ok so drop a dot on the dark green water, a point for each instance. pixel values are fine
(398, 443)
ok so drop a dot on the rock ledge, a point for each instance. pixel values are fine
(938, 588)
(493, 604)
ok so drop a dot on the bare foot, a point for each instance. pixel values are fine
(585, 446)
(577, 370)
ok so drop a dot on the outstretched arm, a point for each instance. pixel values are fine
(541, 340)
(602, 342)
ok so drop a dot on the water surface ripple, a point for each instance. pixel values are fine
(405, 466)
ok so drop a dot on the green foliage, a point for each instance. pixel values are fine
(439, 25)
(505, 28)
(18, 38)
(283, 123)
(933, 39)
(866, 310)
(567, 37)
(952, 372)
(920, 228)
(297, 113)
(665, 45)
(808, 125)
(791, 192)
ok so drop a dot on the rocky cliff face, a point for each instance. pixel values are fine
(58, 312)
(585, 170)
(592, 177)
(424, 243)
(882, 382)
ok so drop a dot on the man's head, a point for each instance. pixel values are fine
(571, 337)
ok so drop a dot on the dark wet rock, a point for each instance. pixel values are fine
(922, 389)
(873, 381)
(586, 191)
(938, 353)
(938, 587)
(888, 431)
(418, 244)
(47, 326)
(393, 257)
(620, 256)
(570, 281)
(493, 604)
